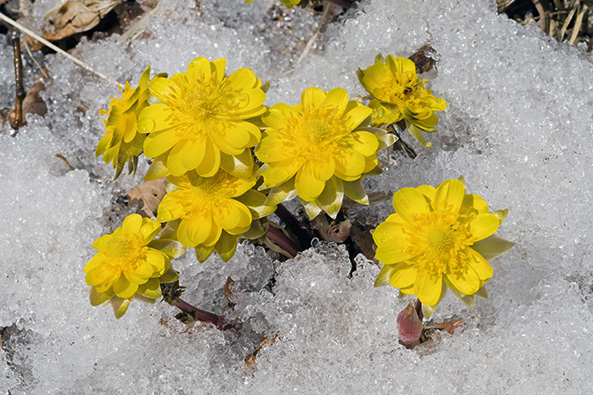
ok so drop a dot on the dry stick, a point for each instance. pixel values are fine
(577, 25)
(20, 90)
(35, 61)
(58, 50)
(566, 23)
(543, 22)
(313, 37)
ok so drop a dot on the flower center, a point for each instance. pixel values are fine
(126, 252)
(316, 135)
(211, 191)
(439, 242)
(200, 107)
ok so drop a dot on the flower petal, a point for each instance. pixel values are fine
(123, 288)
(307, 186)
(483, 225)
(409, 203)
(428, 287)
(403, 275)
(449, 196)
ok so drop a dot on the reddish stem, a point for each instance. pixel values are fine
(204, 316)
(293, 226)
(283, 241)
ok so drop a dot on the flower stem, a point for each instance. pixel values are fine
(204, 316)
(288, 246)
(293, 225)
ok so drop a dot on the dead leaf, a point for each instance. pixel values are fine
(32, 104)
(424, 59)
(77, 16)
(147, 196)
(250, 359)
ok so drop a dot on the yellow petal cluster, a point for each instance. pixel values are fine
(439, 238)
(213, 212)
(122, 143)
(399, 95)
(127, 266)
(203, 119)
(319, 150)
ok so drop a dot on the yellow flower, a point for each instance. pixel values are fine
(130, 265)
(203, 117)
(439, 238)
(213, 212)
(398, 94)
(319, 150)
(122, 144)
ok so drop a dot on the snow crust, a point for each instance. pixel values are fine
(518, 128)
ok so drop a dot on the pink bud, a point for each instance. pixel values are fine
(409, 326)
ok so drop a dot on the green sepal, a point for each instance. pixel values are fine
(256, 230)
(383, 276)
(492, 247)
(468, 300)
(240, 166)
(332, 196)
(202, 253)
(311, 208)
(155, 171)
(482, 292)
(355, 191)
(150, 289)
(226, 246)
(281, 193)
(120, 306)
(98, 298)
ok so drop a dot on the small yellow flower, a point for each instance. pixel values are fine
(319, 150)
(130, 265)
(439, 238)
(213, 212)
(202, 118)
(398, 94)
(122, 144)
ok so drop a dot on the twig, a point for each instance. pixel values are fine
(20, 90)
(566, 23)
(543, 22)
(58, 50)
(317, 32)
(35, 61)
(577, 25)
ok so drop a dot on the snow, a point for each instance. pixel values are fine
(518, 128)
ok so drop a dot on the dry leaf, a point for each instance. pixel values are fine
(32, 104)
(424, 59)
(77, 16)
(250, 359)
(147, 196)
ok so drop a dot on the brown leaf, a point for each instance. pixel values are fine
(424, 59)
(250, 359)
(147, 196)
(77, 16)
(33, 103)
